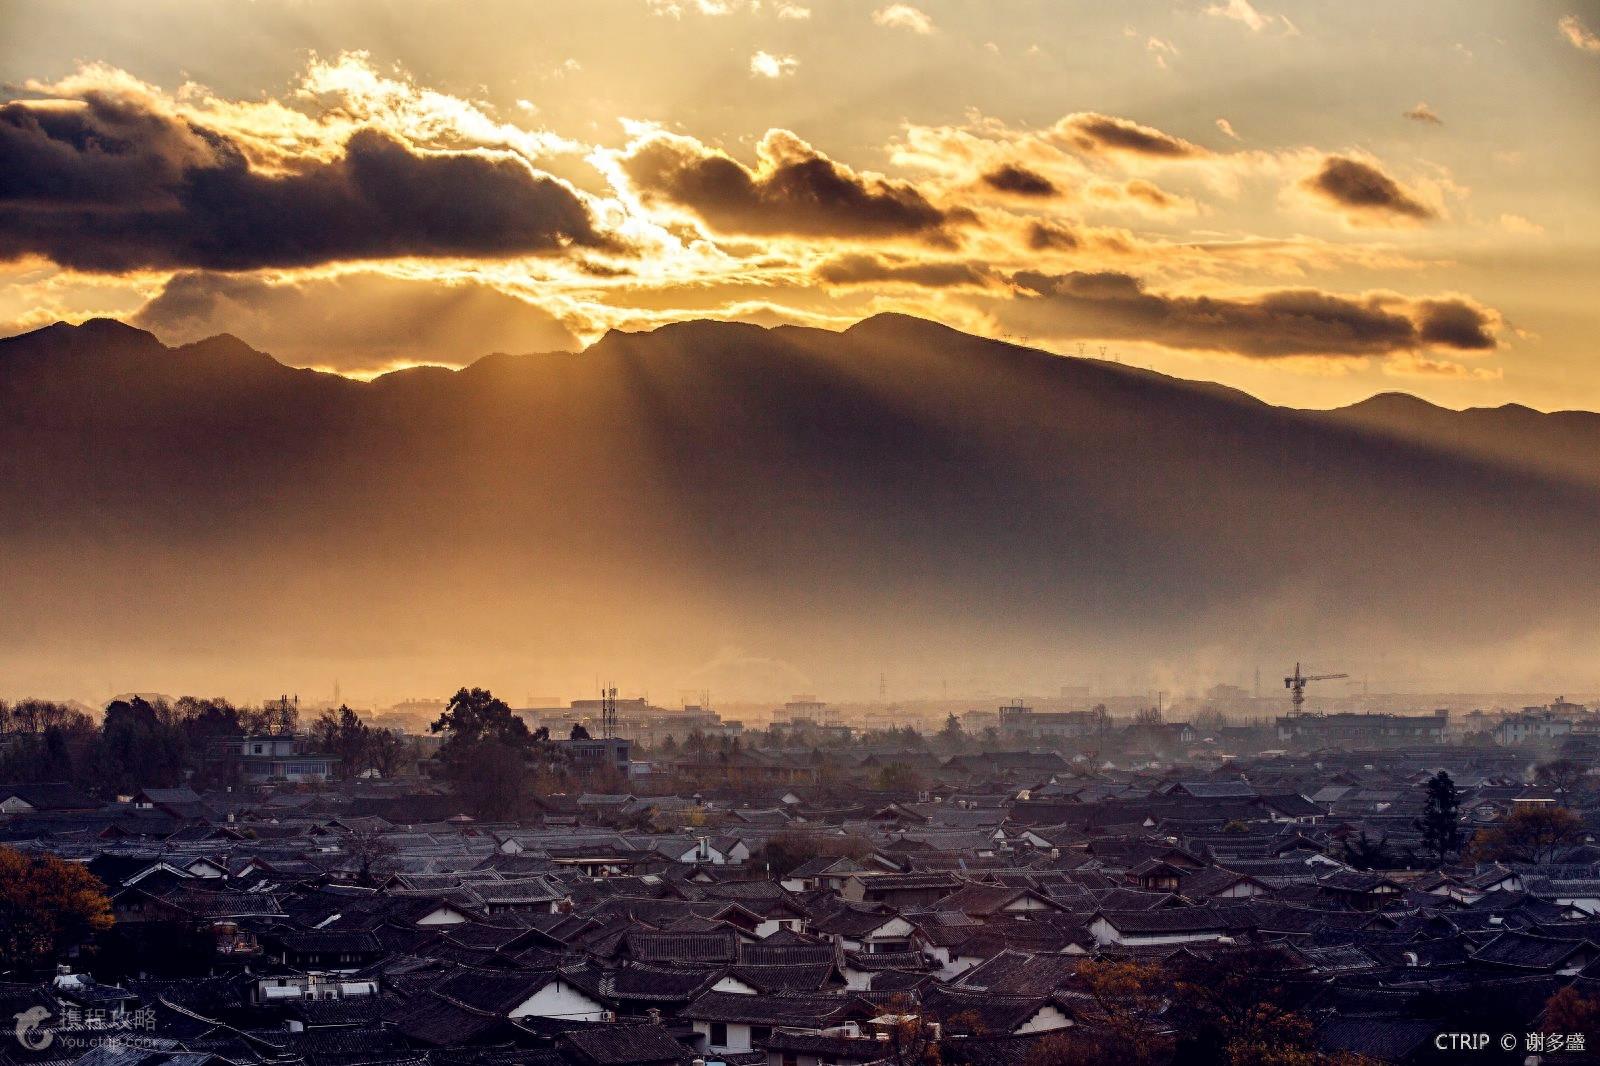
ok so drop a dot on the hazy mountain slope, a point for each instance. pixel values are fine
(1562, 443)
(898, 496)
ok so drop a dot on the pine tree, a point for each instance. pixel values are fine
(1440, 823)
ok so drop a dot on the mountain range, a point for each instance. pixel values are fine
(714, 504)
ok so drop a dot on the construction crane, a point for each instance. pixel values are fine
(1297, 686)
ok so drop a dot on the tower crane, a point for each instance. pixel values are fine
(1297, 686)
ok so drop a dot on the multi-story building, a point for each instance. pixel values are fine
(281, 757)
(1350, 730)
(1019, 722)
(1533, 725)
(595, 752)
(637, 718)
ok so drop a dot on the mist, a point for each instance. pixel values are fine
(755, 512)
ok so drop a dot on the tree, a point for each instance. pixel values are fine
(1271, 1036)
(898, 777)
(1562, 776)
(36, 716)
(913, 1038)
(1121, 1020)
(493, 780)
(474, 716)
(1570, 1011)
(477, 714)
(385, 751)
(1364, 853)
(46, 906)
(1440, 823)
(373, 855)
(1529, 834)
(670, 745)
(578, 732)
(136, 748)
(344, 734)
(485, 753)
(952, 736)
(788, 848)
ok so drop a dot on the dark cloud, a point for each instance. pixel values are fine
(1273, 325)
(1105, 133)
(794, 191)
(1051, 237)
(1353, 185)
(104, 184)
(871, 269)
(1455, 324)
(1019, 181)
(353, 322)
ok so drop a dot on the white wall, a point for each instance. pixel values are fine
(1048, 1018)
(442, 916)
(738, 1036)
(560, 1000)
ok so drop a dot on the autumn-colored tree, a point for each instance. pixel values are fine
(1529, 834)
(46, 906)
(1123, 1015)
(1271, 1036)
(913, 1037)
(1570, 1011)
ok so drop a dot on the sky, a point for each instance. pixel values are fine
(1311, 202)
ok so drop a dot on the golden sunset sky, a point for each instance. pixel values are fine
(1312, 202)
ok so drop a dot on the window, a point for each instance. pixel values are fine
(759, 1034)
(790, 1059)
(719, 1034)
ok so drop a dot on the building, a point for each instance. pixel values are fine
(282, 757)
(1533, 725)
(637, 718)
(811, 721)
(1019, 722)
(50, 796)
(1350, 730)
(596, 752)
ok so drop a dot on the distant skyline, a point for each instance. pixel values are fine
(1310, 202)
